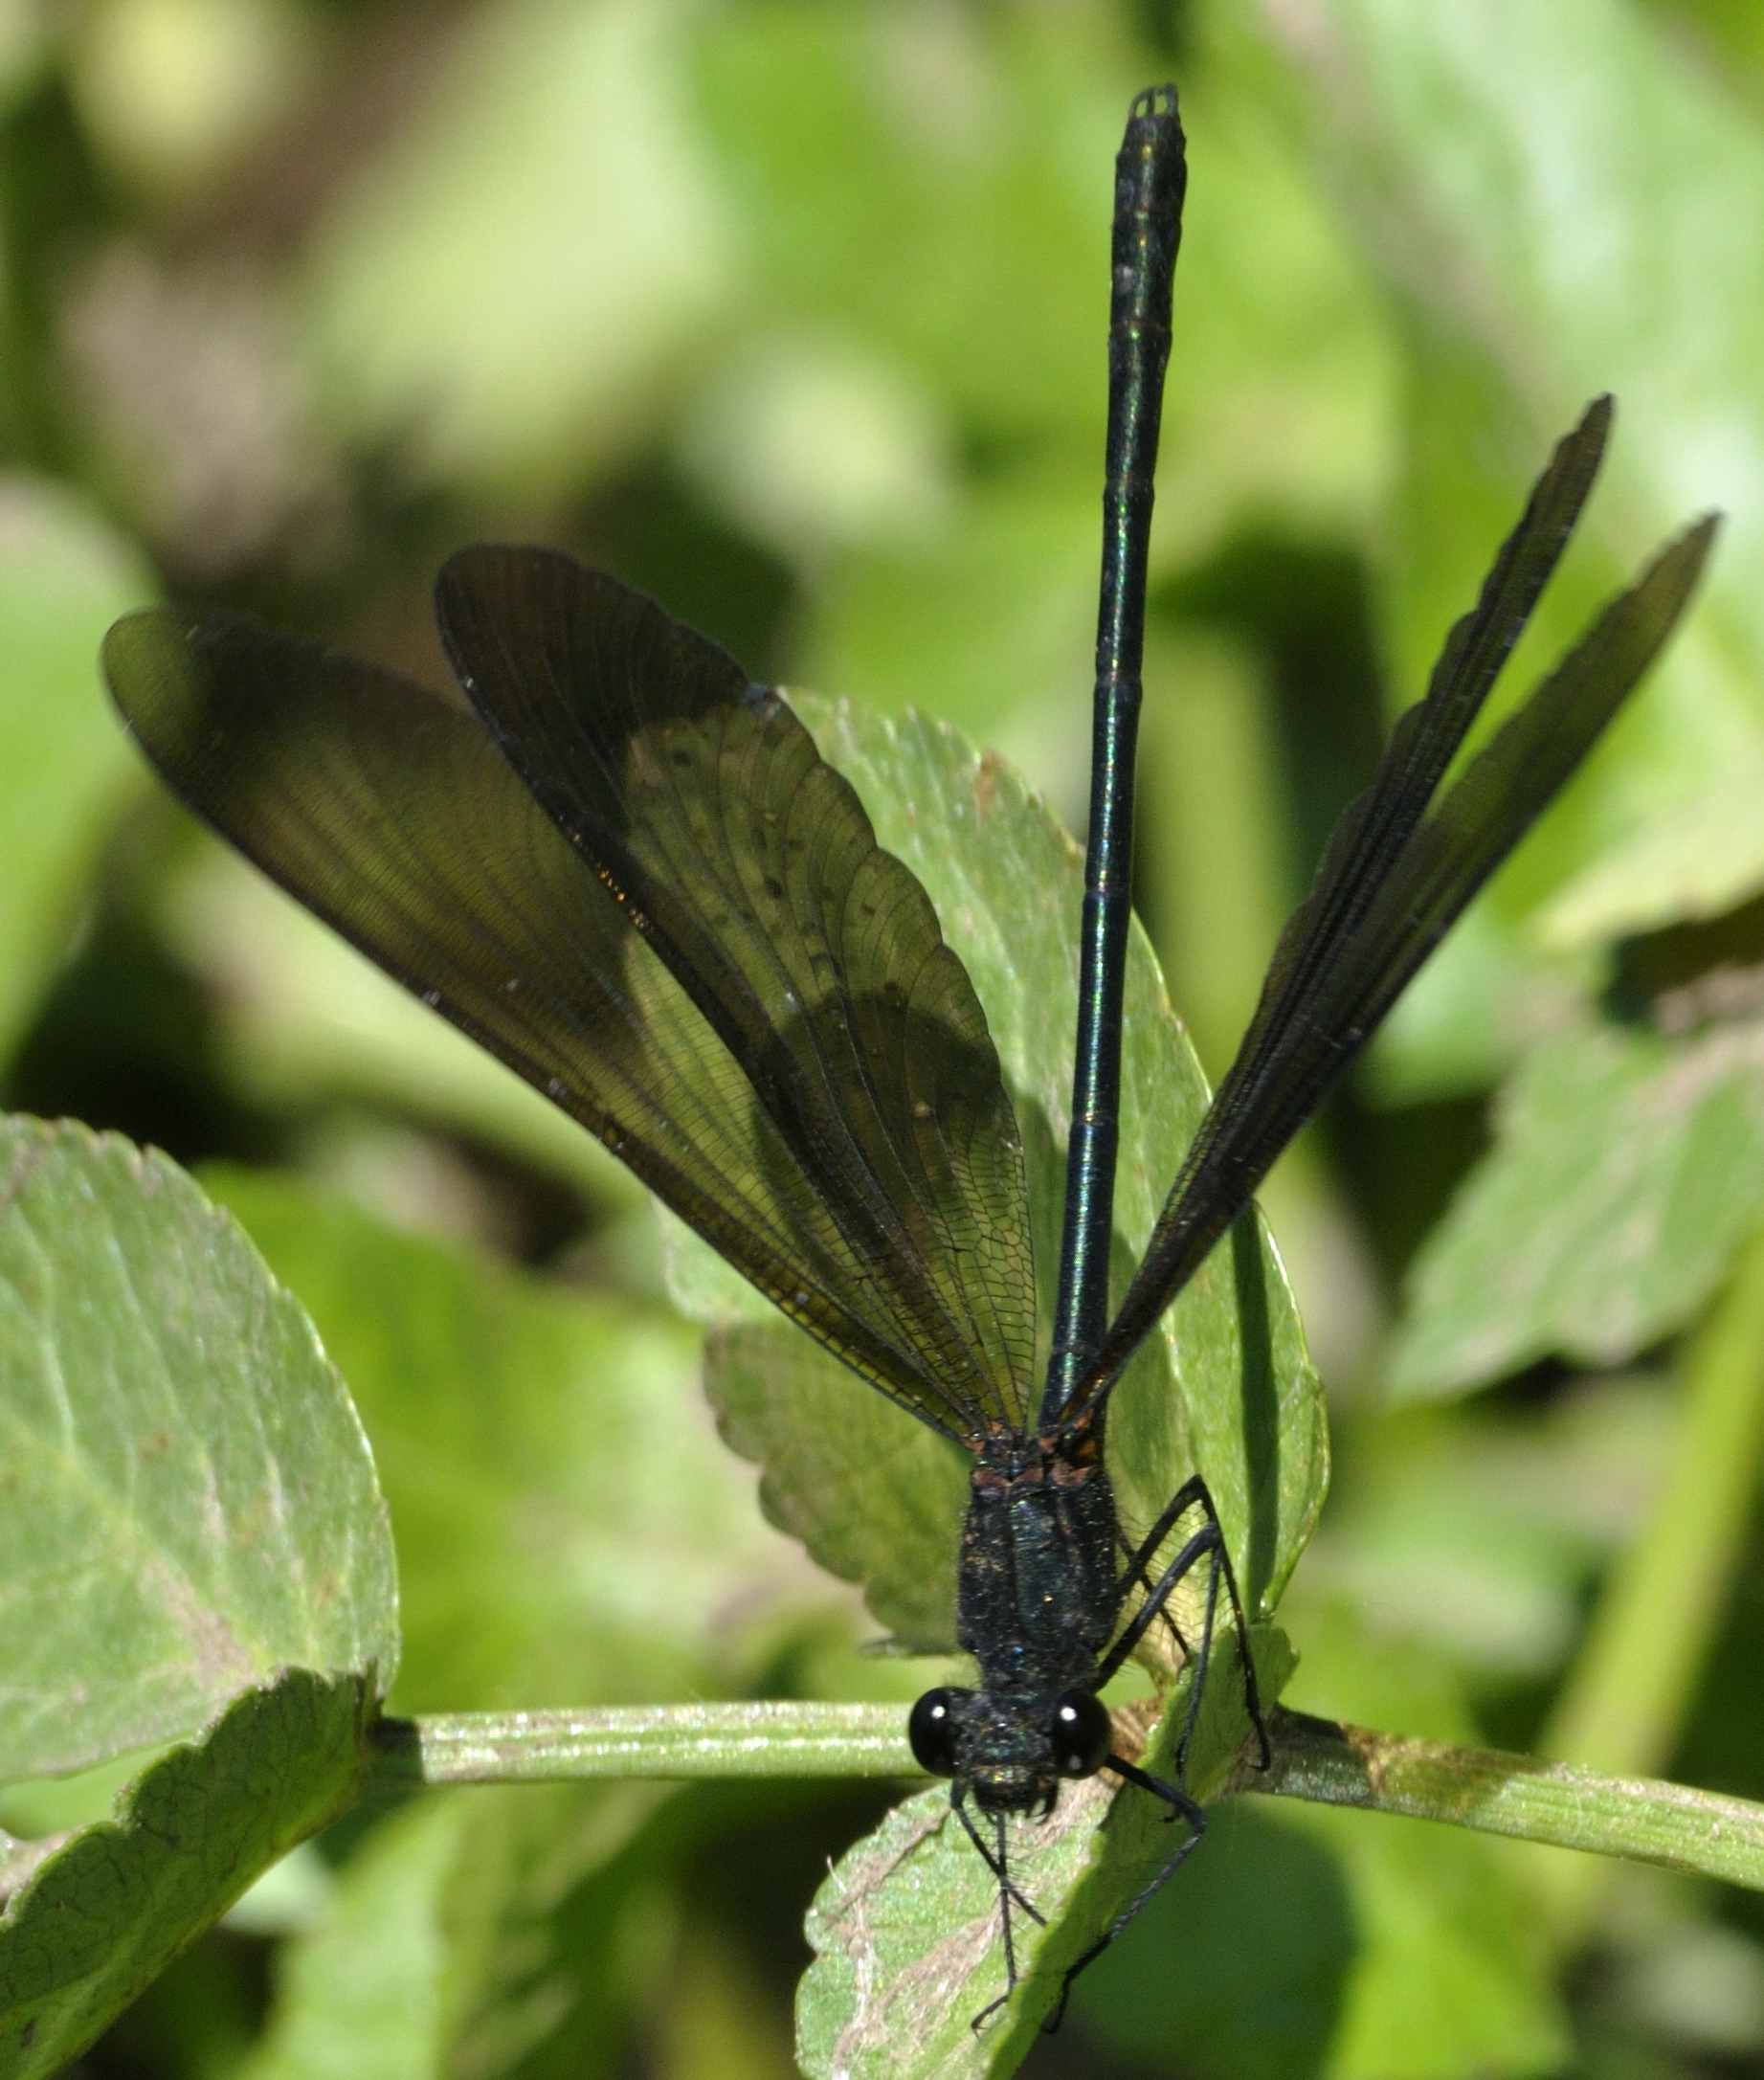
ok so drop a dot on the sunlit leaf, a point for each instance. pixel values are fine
(1626, 1169)
(568, 1530)
(62, 578)
(190, 1502)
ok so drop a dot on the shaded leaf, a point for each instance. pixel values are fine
(105, 1916)
(875, 1500)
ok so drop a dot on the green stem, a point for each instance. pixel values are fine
(1313, 1758)
(1625, 1702)
(1516, 1795)
(671, 1742)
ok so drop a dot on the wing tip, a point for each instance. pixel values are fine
(503, 569)
(1584, 446)
(478, 558)
(1705, 528)
(135, 622)
(132, 657)
(1684, 556)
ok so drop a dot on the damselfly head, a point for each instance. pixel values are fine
(1012, 1751)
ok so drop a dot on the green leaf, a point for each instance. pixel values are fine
(1478, 1530)
(1627, 1168)
(62, 578)
(502, 1932)
(1692, 863)
(843, 189)
(873, 1497)
(554, 1924)
(1225, 1387)
(966, 618)
(189, 1501)
(1639, 1684)
(841, 171)
(540, 366)
(906, 1929)
(365, 1990)
(45, 1808)
(105, 1916)
(566, 1521)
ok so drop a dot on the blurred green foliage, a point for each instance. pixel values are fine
(793, 315)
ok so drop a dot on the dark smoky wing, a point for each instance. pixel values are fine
(1343, 960)
(539, 928)
(813, 955)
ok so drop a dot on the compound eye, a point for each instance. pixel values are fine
(931, 1732)
(1081, 1733)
